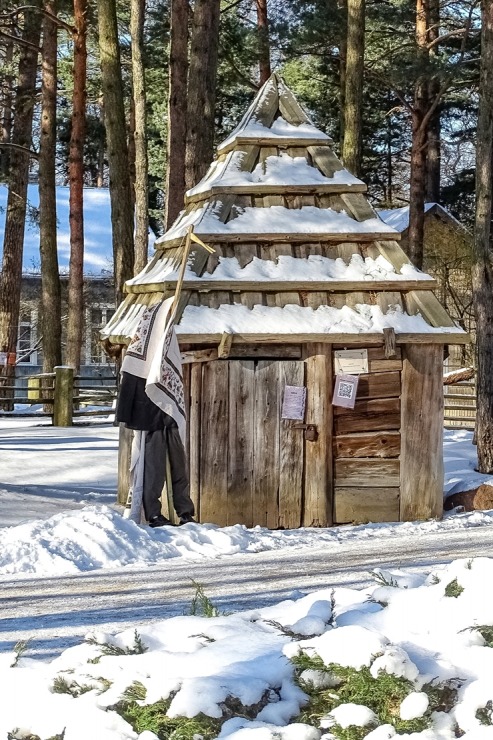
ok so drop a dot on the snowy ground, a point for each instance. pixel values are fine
(72, 564)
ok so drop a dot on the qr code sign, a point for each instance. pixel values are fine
(345, 390)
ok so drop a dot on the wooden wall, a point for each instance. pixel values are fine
(381, 461)
(367, 444)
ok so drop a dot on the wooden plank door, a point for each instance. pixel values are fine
(246, 463)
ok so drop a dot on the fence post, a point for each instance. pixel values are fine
(33, 388)
(63, 404)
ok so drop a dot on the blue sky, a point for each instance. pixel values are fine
(98, 257)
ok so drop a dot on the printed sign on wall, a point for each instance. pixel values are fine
(293, 402)
(345, 390)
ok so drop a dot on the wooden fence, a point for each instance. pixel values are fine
(460, 405)
(64, 396)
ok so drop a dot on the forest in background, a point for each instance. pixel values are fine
(136, 94)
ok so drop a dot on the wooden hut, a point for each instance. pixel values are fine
(306, 282)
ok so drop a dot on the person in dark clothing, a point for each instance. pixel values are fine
(162, 442)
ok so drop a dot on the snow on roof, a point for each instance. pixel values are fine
(273, 220)
(98, 254)
(293, 319)
(398, 218)
(279, 170)
(280, 129)
(314, 267)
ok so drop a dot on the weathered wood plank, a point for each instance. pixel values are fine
(291, 445)
(428, 305)
(225, 345)
(214, 443)
(358, 206)
(388, 301)
(194, 418)
(389, 345)
(245, 253)
(266, 445)
(251, 299)
(266, 351)
(318, 482)
(272, 200)
(290, 109)
(276, 285)
(369, 505)
(379, 385)
(345, 340)
(289, 236)
(324, 158)
(240, 443)
(198, 355)
(264, 152)
(381, 414)
(368, 444)
(378, 362)
(250, 158)
(422, 433)
(393, 253)
(366, 472)
(265, 189)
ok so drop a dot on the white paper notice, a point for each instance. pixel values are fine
(293, 402)
(3, 359)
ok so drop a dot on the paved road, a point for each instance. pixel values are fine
(56, 613)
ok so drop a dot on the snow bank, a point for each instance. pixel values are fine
(198, 663)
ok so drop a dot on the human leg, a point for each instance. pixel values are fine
(154, 472)
(182, 502)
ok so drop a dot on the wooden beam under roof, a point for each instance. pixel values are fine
(260, 189)
(296, 236)
(281, 142)
(353, 339)
(275, 286)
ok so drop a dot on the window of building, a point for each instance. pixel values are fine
(26, 338)
(98, 316)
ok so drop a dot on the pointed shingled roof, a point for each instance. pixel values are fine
(296, 242)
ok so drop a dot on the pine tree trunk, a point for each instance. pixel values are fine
(419, 142)
(353, 105)
(202, 90)
(140, 135)
(264, 43)
(482, 269)
(122, 216)
(6, 111)
(177, 110)
(417, 186)
(75, 321)
(433, 158)
(342, 4)
(50, 321)
(11, 274)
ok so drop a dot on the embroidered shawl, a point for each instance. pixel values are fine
(154, 354)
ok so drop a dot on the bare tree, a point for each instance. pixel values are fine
(76, 181)
(482, 268)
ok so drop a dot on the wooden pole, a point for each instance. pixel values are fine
(63, 403)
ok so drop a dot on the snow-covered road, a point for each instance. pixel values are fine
(54, 613)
